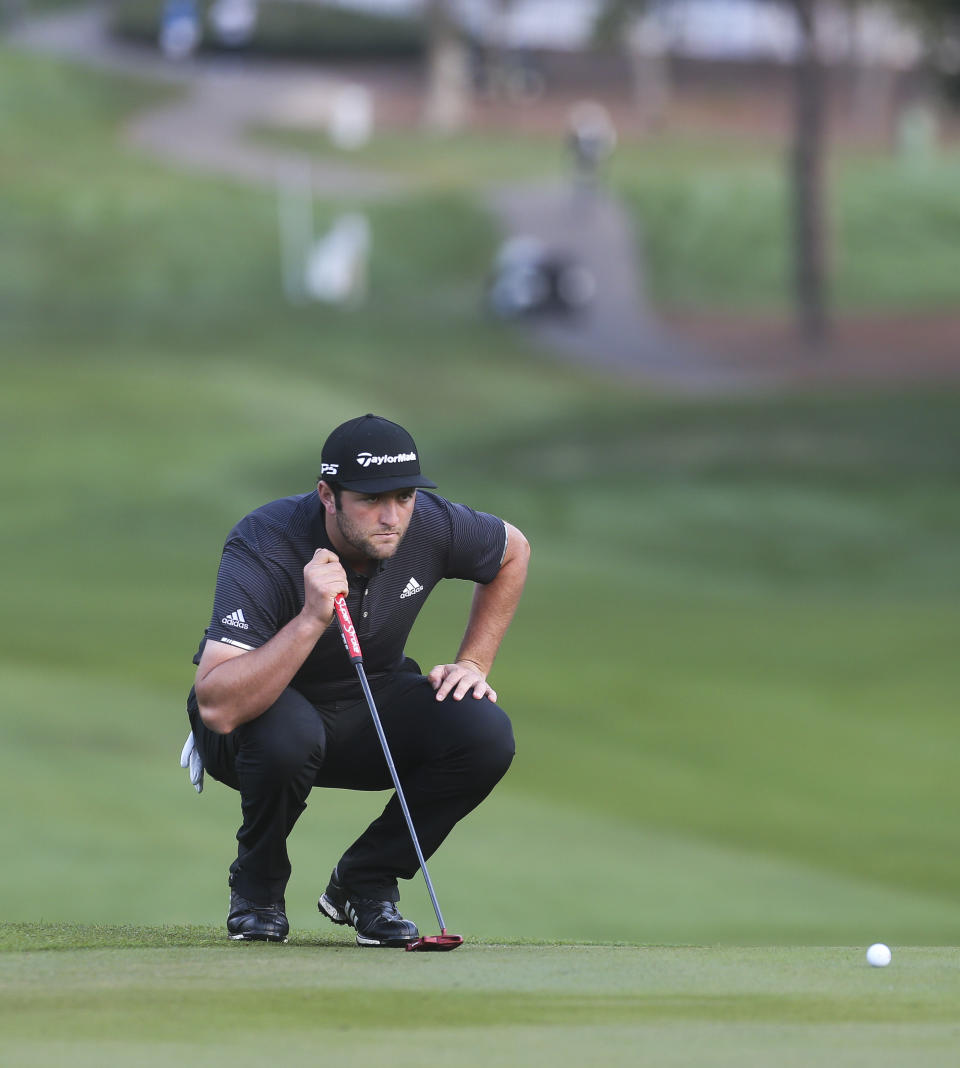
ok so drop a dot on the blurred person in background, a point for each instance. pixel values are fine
(276, 708)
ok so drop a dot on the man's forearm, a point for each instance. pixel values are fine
(237, 690)
(492, 610)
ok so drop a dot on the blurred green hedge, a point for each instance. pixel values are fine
(289, 28)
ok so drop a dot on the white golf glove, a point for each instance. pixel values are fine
(190, 758)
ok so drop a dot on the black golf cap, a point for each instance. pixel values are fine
(370, 454)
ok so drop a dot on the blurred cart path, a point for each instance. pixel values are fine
(206, 129)
(618, 332)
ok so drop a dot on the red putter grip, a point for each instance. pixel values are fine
(347, 630)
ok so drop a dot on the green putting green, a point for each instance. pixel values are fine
(124, 995)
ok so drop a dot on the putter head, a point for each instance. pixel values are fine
(436, 943)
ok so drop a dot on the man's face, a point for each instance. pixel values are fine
(372, 526)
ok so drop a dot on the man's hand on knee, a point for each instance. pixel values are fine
(459, 679)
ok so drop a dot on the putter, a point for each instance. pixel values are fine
(442, 941)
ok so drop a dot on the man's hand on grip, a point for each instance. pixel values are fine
(323, 580)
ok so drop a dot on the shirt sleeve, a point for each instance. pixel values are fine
(248, 603)
(478, 542)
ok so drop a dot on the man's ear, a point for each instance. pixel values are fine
(326, 497)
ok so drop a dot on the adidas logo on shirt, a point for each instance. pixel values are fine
(411, 588)
(235, 619)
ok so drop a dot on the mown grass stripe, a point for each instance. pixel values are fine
(162, 1015)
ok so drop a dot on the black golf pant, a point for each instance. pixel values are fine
(449, 755)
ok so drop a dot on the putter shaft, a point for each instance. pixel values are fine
(400, 796)
(349, 634)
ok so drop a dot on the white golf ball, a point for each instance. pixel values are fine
(878, 955)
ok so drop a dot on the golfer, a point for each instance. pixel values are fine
(276, 706)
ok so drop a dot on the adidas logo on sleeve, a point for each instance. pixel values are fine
(411, 588)
(235, 619)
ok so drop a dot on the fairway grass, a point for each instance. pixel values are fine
(112, 995)
(116, 833)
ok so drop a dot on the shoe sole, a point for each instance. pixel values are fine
(331, 911)
(259, 938)
(336, 915)
(394, 943)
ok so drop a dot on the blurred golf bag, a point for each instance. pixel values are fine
(529, 279)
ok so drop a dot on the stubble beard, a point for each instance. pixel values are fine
(363, 541)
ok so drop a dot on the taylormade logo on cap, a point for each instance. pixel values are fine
(365, 459)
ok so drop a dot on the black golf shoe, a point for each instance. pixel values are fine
(377, 923)
(247, 922)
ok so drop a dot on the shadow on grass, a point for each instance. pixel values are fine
(17, 937)
(30, 937)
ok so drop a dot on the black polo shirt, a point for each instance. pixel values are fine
(260, 582)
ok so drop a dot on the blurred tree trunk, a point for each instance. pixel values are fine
(447, 102)
(499, 59)
(642, 41)
(646, 50)
(809, 192)
(875, 79)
